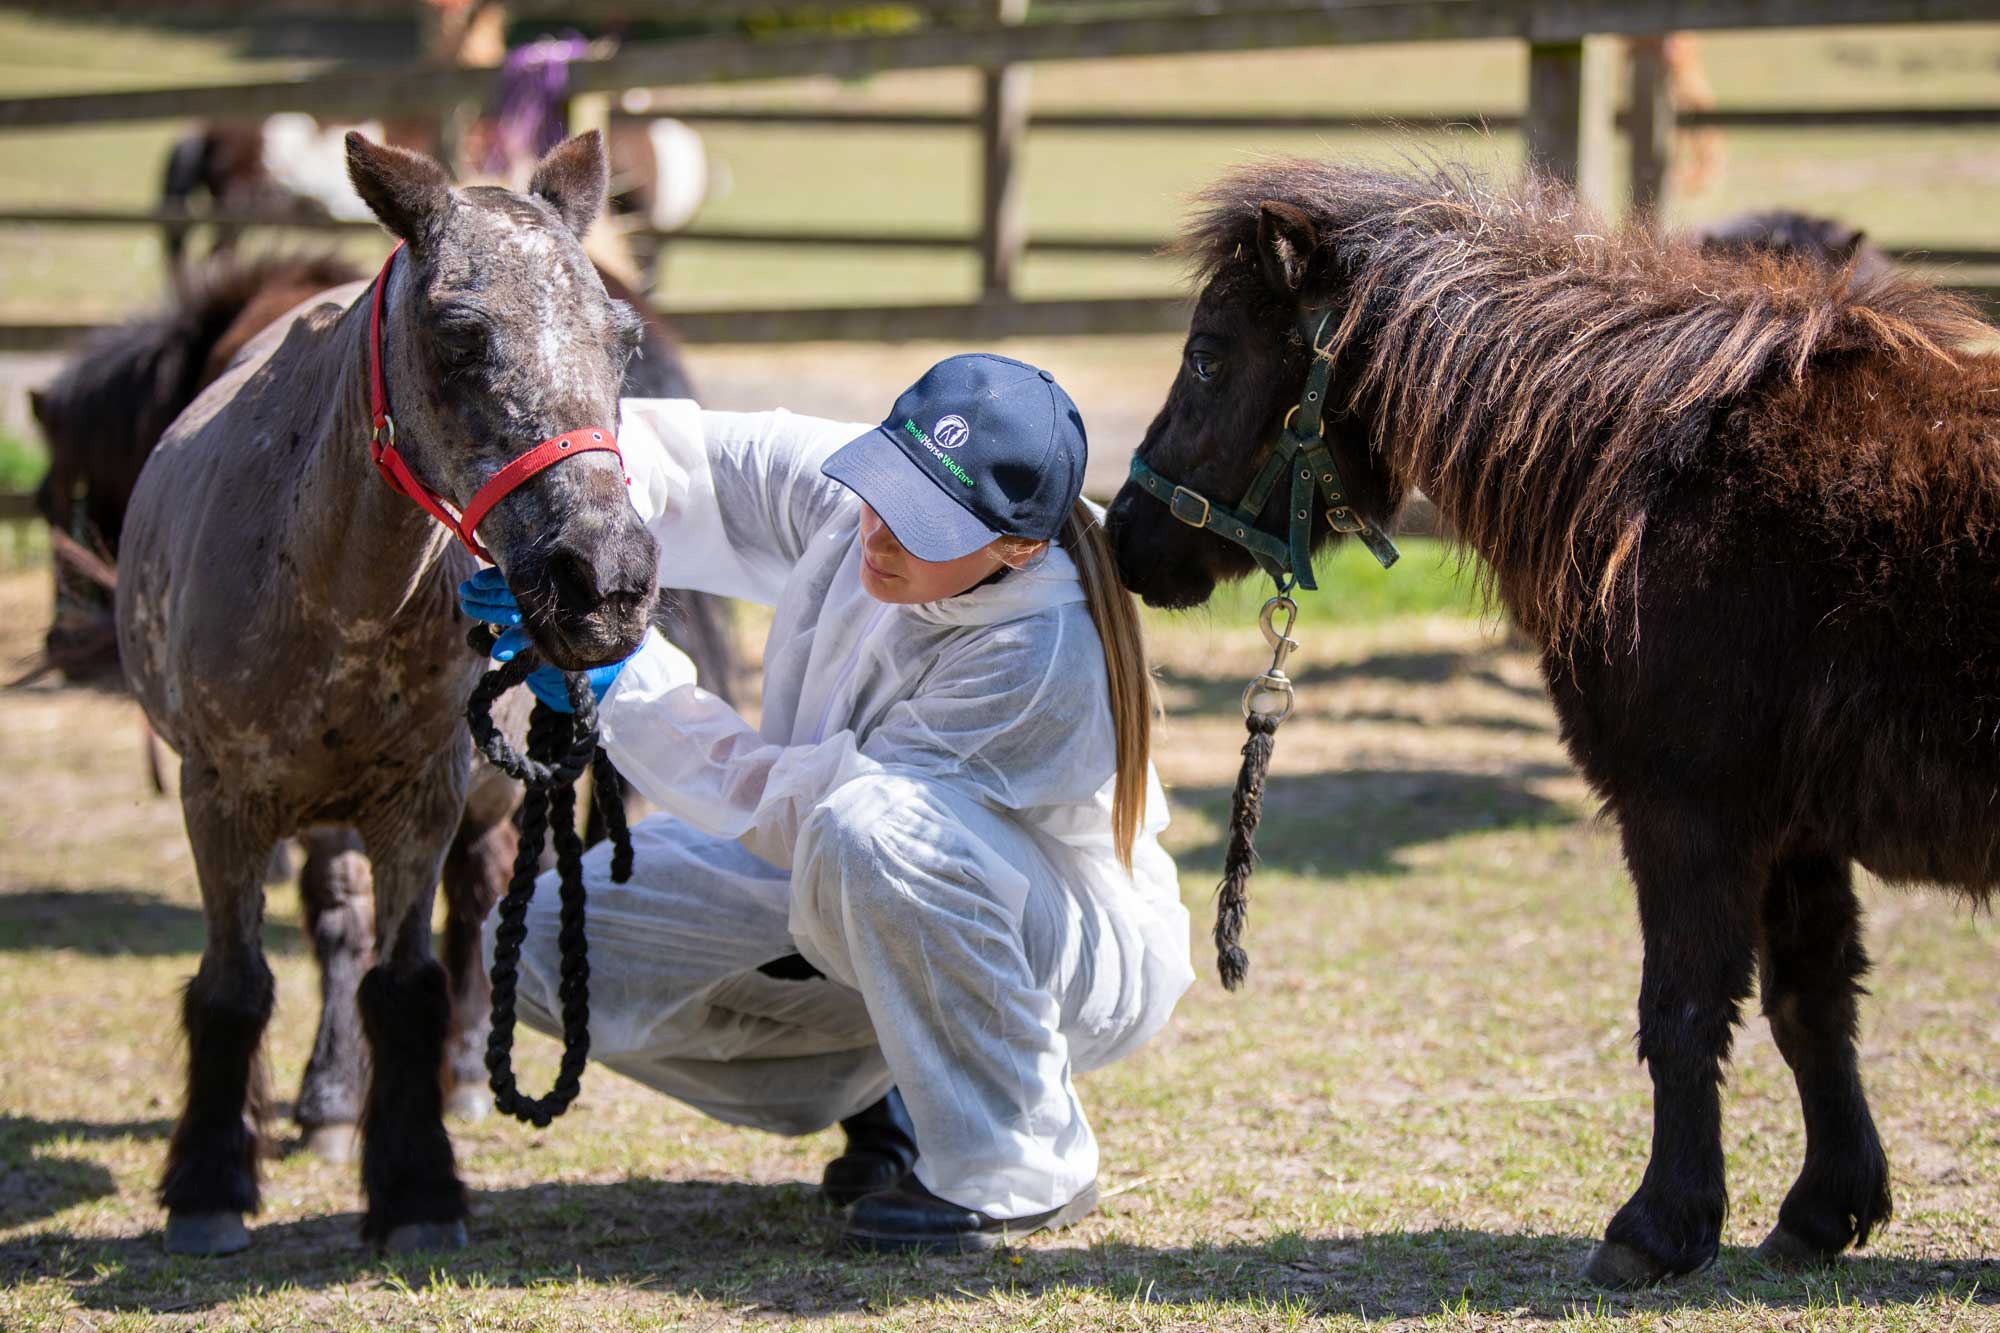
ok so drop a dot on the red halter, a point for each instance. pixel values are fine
(382, 446)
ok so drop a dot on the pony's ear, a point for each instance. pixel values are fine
(407, 191)
(573, 178)
(38, 403)
(1285, 242)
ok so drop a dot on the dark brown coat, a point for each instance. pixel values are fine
(1750, 509)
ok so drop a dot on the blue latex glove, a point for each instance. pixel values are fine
(486, 596)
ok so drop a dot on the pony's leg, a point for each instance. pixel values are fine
(1698, 896)
(415, 1198)
(1812, 964)
(336, 889)
(211, 1176)
(475, 875)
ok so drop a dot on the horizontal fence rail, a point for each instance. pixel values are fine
(362, 91)
(1772, 118)
(785, 237)
(969, 321)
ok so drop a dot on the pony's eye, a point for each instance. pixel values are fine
(460, 346)
(1203, 364)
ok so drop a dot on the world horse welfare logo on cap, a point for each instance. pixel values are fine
(952, 431)
(921, 436)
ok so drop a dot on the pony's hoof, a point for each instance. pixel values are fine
(206, 1233)
(336, 1145)
(1622, 1267)
(469, 1102)
(1787, 1249)
(413, 1237)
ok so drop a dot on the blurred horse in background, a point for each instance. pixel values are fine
(289, 169)
(1825, 241)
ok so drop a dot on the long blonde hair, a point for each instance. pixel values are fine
(1116, 616)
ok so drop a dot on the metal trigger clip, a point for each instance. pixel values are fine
(1270, 695)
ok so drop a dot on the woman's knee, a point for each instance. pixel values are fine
(888, 843)
(856, 830)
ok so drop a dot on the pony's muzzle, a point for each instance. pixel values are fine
(587, 592)
(1158, 558)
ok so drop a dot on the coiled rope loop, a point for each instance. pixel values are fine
(559, 747)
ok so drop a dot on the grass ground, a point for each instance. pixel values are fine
(1417, 1115)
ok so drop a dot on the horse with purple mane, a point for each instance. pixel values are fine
(1747, 507)
(290, 625)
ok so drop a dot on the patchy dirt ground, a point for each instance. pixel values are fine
(1419, 1113)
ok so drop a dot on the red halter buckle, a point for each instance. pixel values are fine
(396, 473)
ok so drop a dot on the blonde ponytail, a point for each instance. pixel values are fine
(1116, 615)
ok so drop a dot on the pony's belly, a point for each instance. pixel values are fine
(321, 752)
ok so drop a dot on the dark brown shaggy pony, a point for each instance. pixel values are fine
(1749, 509)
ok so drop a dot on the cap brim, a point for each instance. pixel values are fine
(929, 524)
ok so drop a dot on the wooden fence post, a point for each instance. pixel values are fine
(1568, 125)
(1003, 119)
(1650, 129)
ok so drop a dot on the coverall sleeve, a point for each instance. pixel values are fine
(1007, 718)
(732, 497)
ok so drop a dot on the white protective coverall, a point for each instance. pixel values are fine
(924, 815)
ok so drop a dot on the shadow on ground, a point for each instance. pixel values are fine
(37, 1183)
(112, 922)
(1206, 693)
(1355, 821)
(774, 1247)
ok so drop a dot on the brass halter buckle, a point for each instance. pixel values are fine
(1188, 507)
(1271, 694)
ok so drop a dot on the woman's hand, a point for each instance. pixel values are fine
(486, 596)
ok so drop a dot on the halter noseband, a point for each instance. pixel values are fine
(1302, 450)
(382, 446)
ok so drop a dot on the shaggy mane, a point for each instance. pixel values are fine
(1540, 376)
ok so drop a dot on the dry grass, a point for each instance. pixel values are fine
(1420, 1112)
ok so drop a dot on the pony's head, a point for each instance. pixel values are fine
(1268, 280)
(498, 335)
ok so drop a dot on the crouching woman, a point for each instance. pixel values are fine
(927, 889)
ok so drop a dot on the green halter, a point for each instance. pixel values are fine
(1302, 450)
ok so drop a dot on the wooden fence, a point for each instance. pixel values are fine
(1567, 124)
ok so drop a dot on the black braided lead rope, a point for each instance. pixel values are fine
(559, 747)
(1246, 807)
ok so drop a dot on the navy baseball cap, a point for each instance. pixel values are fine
(982, 446)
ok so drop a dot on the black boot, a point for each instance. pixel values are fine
(881, 1149)
(910, 1217)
